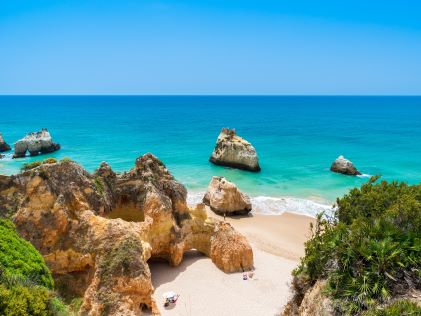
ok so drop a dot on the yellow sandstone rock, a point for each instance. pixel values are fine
(97, 231)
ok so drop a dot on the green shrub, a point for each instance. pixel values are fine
(31, 165)
(35, 164)
(25, 281)
(99, 185)
(57, 307)
(398, 308)
(19, 300)
(370, 250)
(49, 161)
(75, 305)
(19, 258)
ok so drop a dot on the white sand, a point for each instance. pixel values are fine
(205, 290)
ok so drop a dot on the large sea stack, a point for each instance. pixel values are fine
(3, 145)
(233, 151)
(225, 198)
(36, 143)
(97, 231)
(344, 166)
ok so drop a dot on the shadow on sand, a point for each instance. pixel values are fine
(237, 217)
(171, 273)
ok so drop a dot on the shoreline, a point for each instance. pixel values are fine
(276, 205)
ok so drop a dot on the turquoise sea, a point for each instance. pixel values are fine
(296, 138)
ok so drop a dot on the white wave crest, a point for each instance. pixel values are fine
(194, 198)
(277, 205)
(364, 175)
(7, 157)
(267, 205)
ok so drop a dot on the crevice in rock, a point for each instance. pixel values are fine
(73, 284)
(126, 210)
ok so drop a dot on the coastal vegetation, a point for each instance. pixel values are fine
(26, 284)
(369, 252)
(35, 164)
(99, 185)
(398, 308)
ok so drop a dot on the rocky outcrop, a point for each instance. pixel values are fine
(36, 143)
(224, 197)
(309, 300)
(233, 151)
(344, 166)
(3, 145)
(97, 231)
(230, 250)
(315, 303)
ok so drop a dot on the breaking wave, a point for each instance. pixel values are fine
(364, 175)
(267, 205)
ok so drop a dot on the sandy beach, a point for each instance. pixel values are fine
(280, 235)
(277, 242)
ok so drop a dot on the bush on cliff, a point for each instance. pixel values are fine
(31, 165)
(25, 281)
(370, 251)
(23, 300)
(398, 308)
(35, 164)
(19, 258)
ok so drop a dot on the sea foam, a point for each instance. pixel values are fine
(364, 175)
(267, 205)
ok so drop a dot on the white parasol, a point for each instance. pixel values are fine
(168, 295)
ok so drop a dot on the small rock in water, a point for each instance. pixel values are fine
(3, 145)
(344, 166)
(36, 143)
(233, 151)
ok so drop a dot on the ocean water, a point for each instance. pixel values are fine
(296, 138)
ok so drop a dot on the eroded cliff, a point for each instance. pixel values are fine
(97, 231)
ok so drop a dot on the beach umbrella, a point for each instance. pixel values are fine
(169, 294)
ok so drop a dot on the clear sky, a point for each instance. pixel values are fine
(210, 47)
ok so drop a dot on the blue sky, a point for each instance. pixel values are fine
(295, 47)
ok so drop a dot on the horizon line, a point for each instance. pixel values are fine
(210, 95)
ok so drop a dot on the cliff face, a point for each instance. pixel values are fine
(308, 300)
(97, 232)
(315, 303)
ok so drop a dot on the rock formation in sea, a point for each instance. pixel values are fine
(3, 145)
(224, 197)
(233, 151)
(97, 231)
(36, 143)
(344, 166)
